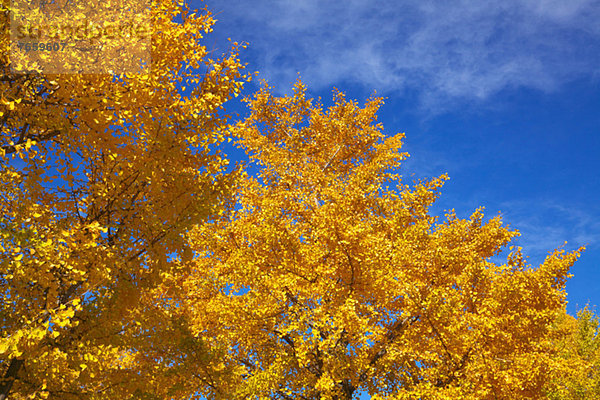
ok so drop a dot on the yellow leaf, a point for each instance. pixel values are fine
(4, 346)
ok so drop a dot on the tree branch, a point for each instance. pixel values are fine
(9, 377)
(9, 149)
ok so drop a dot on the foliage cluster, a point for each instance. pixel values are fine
(133, 265)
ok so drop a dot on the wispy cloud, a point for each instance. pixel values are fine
(444, 50)
(545, 225)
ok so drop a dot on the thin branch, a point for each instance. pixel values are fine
(331, 159)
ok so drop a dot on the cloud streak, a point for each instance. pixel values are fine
(550, 224)
(443, 50)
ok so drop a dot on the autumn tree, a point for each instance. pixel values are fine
(101, 174)
(330, 277)
(127, 270)
(578, 358)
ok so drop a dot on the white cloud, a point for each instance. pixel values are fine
(464, 49)
(549, 224)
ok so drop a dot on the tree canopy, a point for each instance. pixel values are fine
(577, 371)
(133, 265)
(100, 176)
(330, 277)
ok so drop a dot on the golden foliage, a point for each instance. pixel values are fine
(329, 277)
(127, 269)
(578, 358)
(100, 175)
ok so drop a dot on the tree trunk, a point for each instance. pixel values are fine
(9, 377)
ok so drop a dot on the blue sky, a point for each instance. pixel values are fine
(503, 96)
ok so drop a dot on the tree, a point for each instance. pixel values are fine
(578, 357)
(100, 176)
(128, 270)
(330, 277)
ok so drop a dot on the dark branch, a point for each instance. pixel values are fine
(9, 149)
(9, 377)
